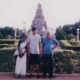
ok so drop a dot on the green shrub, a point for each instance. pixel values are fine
(7, 45)
(7, 61)
(8, 41)
(62, 62)
(73, 45)
(3, 45)
(77, 68)
(58, 59)
(68, 67)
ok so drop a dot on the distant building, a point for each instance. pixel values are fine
(39, 21)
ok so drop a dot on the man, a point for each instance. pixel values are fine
(20, 53)
(34, 49)
(49, 44)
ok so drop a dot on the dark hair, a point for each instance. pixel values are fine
(24, 35)
(33, 28)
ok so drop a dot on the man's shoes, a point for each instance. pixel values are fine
(16, 76)
(52, 76)
(30, 76)
(22, 77)
(44, 76)
(38, 76)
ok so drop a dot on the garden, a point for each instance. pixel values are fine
(64, 62)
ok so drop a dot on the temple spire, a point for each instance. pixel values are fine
(39, 20)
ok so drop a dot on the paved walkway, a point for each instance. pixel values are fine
(8, 76)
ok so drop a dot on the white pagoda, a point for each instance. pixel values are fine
(39, 21)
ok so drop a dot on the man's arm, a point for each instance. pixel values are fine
(56, 43)
(28, 47)
(40, 48)
(55, 46)
(40, 45)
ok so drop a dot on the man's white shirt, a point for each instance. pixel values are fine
(34, 41)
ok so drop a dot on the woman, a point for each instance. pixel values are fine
(21, 53)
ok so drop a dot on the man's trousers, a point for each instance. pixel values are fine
(47, 63)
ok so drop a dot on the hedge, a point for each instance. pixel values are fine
(7, 45)
(73, 45)
(3, 45)
(66, 43)
(8, 41)
(62, 62)
(7, 61)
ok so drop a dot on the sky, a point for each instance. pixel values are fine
(56, 12)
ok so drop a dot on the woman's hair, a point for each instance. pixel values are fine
(23, 35)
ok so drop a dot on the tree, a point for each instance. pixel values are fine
(70, 36)
(1, 36)
(71, 29)
(68, 31)
(7, 31)
(60, 34)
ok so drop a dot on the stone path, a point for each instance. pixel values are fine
(6, 76)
